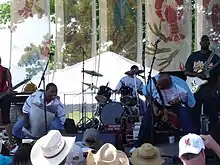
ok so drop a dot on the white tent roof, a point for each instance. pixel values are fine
(69, 80)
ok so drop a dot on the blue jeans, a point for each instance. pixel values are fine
(146, 125)
(17, 128)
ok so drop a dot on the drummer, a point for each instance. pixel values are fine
(129, 81)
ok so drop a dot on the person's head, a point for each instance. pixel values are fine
(75, 156)
(51, 91)
(147, 154)
(164, 81)
(91, 138)
(22, 155)
(134, 67)
(51, 149)
(205, 42)
(191, 150)
(107, 154)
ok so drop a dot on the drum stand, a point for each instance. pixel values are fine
(83, 94)
(92, 92)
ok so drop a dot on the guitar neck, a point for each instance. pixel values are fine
(210, 69)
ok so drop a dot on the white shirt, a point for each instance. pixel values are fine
(55, 106)
(130, 82)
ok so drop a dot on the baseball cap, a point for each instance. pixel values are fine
(190, 143)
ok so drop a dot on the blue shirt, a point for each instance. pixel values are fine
(179, 90)
(5, 160)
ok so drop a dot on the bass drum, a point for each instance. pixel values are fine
(111, 113)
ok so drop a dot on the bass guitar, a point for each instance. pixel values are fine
(195, 83)
(3, 94)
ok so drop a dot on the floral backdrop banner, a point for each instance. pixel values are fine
(30, 39)
(208, 22)
(169, 21)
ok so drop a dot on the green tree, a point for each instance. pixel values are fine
(78, 31)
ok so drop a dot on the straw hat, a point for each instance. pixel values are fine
(51, 149)
(147, 154)
(107, 155)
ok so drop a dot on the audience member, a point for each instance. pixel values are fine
(3, 149)
(4, 155)
(192, 146)
(22, 155)
(51, 149)
(210, 143)
(147, 154)
(91, 138)
(107, 154)
(5, 160)
(75, 156)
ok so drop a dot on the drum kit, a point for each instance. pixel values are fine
(111, 112)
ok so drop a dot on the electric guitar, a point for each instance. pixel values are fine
(3, 94)
(195, 83)
(166, 117)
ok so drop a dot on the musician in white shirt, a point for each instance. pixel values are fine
(53, 105)
(129, 81)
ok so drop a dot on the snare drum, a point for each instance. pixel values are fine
(111, 113)
(127, 96)
(104, 94)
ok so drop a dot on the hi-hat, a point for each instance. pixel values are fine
(91, 86)
(93, 73)
(134, 72)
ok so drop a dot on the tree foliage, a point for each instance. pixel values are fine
(78, 29)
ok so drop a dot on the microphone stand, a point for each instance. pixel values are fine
(149, 83)
(83, 93)
(44, 89)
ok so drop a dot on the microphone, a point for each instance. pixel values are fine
(157, 42)
(107, 84)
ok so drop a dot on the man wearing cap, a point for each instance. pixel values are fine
(192, 146)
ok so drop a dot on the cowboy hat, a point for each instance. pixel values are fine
(51, 149)
(146, 155)
(107, 155)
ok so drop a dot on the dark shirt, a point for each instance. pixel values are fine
(196, 61)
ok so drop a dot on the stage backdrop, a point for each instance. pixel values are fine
(30, 39)
(169, 21)
(208, 22)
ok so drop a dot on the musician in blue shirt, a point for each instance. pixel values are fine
(167, 92)
(196, 64)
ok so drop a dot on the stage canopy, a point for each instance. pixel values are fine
(69, 80)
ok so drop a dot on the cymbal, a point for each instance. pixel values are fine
(134, 72)
(93, 73)
(91, 86)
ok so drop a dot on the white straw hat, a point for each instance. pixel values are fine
(51, 149)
